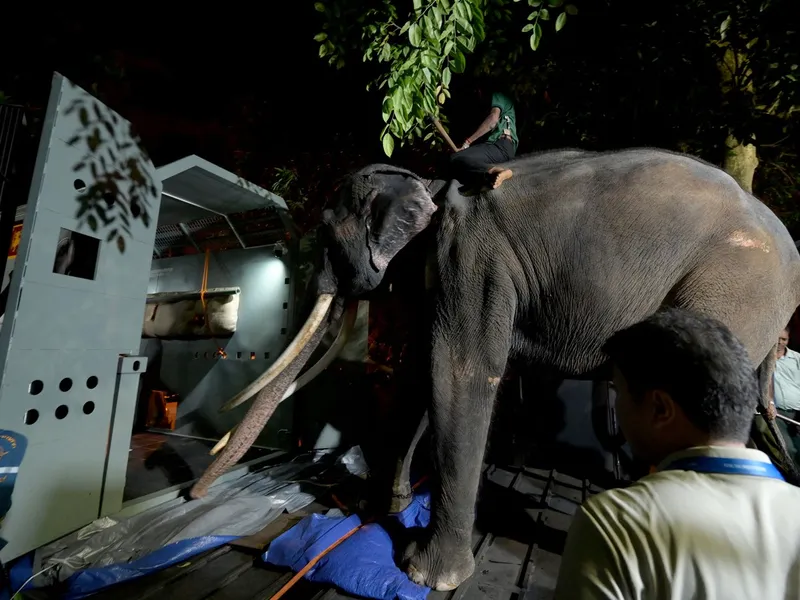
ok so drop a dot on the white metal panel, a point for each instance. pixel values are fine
(60, 329)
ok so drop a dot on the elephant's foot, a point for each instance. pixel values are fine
(441, 563)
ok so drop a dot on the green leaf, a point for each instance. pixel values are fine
(388, 144)
(555, 3)
(323, 50)
(527, 28)
(446, 76)
(447, 48)
(415, 35)
(561, 21)
(571, 9)
(319, 6)
(320, 37)
(724, 26)
(544, 14)
(533, 15)
(459, 63)
(92, 222)
(417, 4)
(534, 3)
(536, 36)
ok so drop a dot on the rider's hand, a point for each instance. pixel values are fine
(771, 411)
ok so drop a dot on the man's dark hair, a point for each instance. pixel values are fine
(698, 362)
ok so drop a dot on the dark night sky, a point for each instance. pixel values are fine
(192, 83)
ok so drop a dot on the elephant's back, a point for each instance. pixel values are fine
(614, 236)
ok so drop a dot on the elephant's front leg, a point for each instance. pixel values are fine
(466, 377)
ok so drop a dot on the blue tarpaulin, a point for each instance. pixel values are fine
(12, 450)
(363, 564)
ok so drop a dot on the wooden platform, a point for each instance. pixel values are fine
(523, 517)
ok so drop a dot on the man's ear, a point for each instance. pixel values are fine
(663, 407)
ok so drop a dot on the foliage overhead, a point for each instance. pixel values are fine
(121, 184)
(422, 47)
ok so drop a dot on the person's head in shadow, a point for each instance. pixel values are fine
(683, 380)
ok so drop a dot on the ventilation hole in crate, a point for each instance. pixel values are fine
(31, 416)
(283, 330)
(197, 355)
(266, 355)
(79, 185)
(286, 281)
(206, 355)
(92, 382)
(239, 355)
(88, 408)
(65, 384)
(137, 365)
(76, 254)
(35, 388)
(62, 412)
(285, 305)
(252, 356)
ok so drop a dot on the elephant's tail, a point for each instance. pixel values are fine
(777, 446)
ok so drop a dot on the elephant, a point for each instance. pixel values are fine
(575, 247)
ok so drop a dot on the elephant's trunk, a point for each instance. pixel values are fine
(269, 396)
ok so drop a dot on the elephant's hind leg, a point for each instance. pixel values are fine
(402, 491)
(747, 292)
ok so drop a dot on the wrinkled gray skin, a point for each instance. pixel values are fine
(575, 247)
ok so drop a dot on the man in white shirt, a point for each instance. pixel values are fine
(787, 391)
(715, 520)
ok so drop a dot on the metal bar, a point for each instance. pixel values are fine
(185, 231)
(204, 439)
(234, 232)
(787, 419)
(201, 207)
(780, 416)
(167, 297)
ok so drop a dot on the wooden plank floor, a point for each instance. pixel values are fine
(523, 518)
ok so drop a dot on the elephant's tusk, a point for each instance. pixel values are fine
(222, 442)
(348, 322)
(285, 359)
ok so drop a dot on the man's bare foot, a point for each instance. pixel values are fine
(501, 175)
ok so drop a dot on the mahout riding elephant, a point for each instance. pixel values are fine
(575, 247)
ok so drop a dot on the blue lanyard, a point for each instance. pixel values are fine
(734, 466)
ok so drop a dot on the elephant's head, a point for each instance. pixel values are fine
(379, 210)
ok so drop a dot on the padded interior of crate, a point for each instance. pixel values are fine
(180, 315)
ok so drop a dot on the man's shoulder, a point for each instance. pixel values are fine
(502, 101)
(793, 354)
(614, 508)
(668, 495)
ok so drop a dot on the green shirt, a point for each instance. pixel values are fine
(508, 119)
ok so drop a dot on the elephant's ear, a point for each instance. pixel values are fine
(399, 206)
